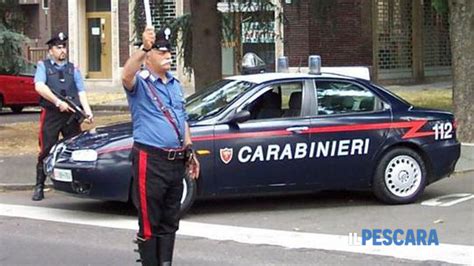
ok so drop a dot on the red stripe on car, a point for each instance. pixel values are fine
(413, 132)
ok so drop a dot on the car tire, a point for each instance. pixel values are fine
(187, 199)
(17, 109)
(1, 102)
(189, 194)
(400, 177)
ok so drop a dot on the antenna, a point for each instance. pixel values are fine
(146, 4)
(299, 65)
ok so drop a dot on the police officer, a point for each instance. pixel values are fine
(55, 73)
(161, 153)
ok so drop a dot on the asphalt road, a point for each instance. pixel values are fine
(63, 230)
(28, 114)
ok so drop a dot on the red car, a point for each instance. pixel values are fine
(18, 91)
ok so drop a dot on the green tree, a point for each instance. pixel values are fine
(12, 22)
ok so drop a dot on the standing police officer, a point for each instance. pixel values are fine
(57, 74)
(161, 152)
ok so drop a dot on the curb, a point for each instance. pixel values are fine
(22, 187)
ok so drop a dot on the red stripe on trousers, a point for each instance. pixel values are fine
(41, 123)
(142, 163)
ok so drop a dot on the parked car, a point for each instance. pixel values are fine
(281, 133)
(18, 90)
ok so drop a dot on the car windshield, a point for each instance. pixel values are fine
(215, 98)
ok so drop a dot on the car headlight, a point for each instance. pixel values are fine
(84, 156)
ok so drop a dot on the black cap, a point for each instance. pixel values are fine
(162, 41)
(57, 39)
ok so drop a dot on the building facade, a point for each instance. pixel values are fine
(400, 40)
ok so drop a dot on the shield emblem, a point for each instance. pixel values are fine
(226, 155)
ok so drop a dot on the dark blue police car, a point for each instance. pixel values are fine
(279, 133)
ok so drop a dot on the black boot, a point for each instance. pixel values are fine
(147, 250)
(165, 246)
(40, 178)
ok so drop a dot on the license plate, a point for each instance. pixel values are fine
(63, 175)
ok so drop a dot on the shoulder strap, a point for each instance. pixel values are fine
(49, 67)
(165, 111)
(70, 68)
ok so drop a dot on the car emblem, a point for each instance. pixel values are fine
(226, 155)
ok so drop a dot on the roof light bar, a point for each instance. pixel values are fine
(314, 64)
(282, 64)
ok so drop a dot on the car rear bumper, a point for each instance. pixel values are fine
(443, 158)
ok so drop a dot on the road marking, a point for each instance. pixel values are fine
(448, 200)
(460, 254)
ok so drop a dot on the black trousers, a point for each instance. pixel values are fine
(52, 123)
(158, 183)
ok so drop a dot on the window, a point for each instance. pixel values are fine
(279, 100)
(217, 97)
(98, 5)
(336, 97)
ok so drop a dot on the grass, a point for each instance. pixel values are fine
(95, 98)
(436, 99)
(22, 138)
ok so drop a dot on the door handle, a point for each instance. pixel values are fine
(297, 129)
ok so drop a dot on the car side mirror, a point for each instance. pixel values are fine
(240, 117)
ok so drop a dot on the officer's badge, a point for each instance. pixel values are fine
(167, 33)
(144, 74)
(61, 36)
(226, 155)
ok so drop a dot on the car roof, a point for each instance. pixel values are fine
(327, 72)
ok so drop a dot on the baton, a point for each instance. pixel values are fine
(146, 3)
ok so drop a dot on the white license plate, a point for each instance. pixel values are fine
(63, 175)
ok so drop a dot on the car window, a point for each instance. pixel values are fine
(279, 100)
(215, 98)
(336, 97)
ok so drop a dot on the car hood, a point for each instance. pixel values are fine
(100, 136)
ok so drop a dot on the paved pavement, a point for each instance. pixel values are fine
(291, 230)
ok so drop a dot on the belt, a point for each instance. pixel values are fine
(169, 154)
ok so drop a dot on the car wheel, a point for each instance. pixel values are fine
(189, 194)
(400, 177)
(1, 102)
(187, 199)
(17, 109)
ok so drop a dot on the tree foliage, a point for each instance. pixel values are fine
(12, 22)
(11, 15)
(441, 6)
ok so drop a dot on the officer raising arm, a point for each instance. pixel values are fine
(56, 74)
(162, 150)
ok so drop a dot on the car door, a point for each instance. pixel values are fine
(25, 90)
(265, 153)
(349, 126)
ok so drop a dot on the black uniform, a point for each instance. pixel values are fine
(158, 182)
